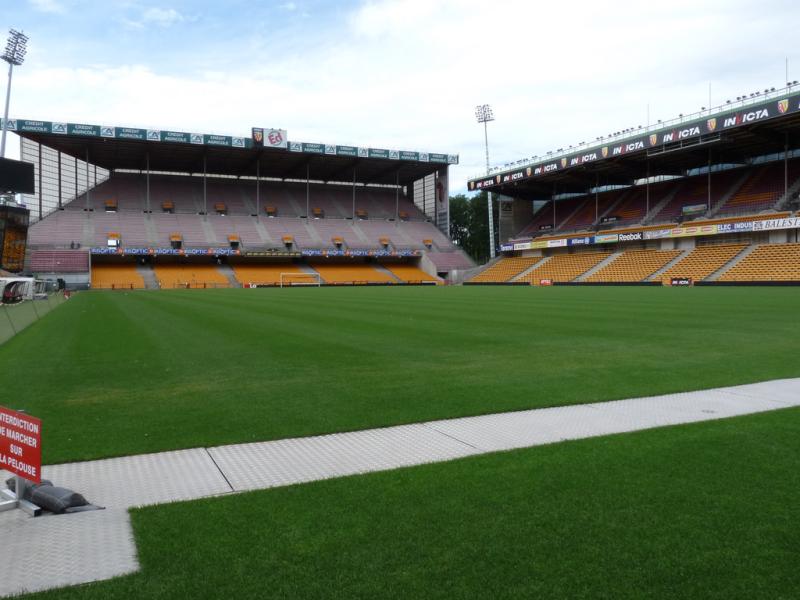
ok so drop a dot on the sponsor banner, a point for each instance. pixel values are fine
(506, 247)
(127, 133)
(630, 237)
(313, 148)
(694, 209)
(83, 130)
(176, 137)
(580, 241)
(680, 281)
(673, 134)
(269, 253)
(346, 151)
(545, 227)
(537, 244)
(545, 282)
(606, 238)
(556, 243)
(773, 224)
(269, 138)
(693, 231)
(405, 155)
(657, 234)
(608, 219)
(521, 246)
(21, 444)
(378, 153)
(438, 158)
(735, 227)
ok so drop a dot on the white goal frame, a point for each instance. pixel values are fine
(316, 279)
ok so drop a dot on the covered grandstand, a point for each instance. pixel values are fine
(706, 198)
(130, 208)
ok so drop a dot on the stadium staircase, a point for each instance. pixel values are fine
(606, 261)
(538, 263)
(150, 228)
(612, 207)
(228, 272)
(208, 231)
(148, 276)
(732, 263)
(650, 217)
(382, 269)
(785, 198)
(669, 265)
(727, 195)
(263, 234)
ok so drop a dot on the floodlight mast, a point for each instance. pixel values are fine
(14, 55)
(483, 114)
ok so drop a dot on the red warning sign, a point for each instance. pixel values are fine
(21, 444)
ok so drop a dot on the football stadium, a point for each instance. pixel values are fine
(247, 366)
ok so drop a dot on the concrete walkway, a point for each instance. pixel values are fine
(55, 551)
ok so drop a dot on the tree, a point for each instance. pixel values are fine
(469, 225)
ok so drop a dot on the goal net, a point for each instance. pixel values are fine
(292, 279)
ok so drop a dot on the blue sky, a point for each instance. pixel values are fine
(400, 74)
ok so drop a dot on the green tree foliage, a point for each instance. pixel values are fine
(469, 225)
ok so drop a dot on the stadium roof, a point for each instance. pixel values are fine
(130, 148)
(729, 135)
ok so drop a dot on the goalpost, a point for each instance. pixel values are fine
(291, 279)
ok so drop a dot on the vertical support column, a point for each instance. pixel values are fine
(709, 180)
(786, 166)
(308, 190)
(205, 190)
(596, 199)
(258, 188)
(147, 183)
(397, 196)
(354, 194)
(59, 180)
(553, 200)
(76, 180)
(39, 146)
(647, 192)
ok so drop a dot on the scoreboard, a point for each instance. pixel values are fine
(13, 237)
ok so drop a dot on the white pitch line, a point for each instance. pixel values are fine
(72, 549)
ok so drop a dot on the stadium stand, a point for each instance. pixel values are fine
(505, 269)
(703, 261)
(634, 265)
(564, 267)
(268, 274)
(769, 262)
(763, 188)
(59, 261)
(588, 213)
(116, 277)
(339, 273)
(410, 274)
(189, 276)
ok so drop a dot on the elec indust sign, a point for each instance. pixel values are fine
(21, 444)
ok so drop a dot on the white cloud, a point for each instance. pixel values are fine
(163, 17)
(47, 6)
(290, 6)
(407, 75)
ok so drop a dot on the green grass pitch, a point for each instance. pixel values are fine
(114, 373)
(707, 510)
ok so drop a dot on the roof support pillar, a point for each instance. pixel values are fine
(308, 190)
(709, 180)
(205, 187)
(786, 165)
(59, 179)
(39, 146)
(354, 194)
(258, 188)
(647, 191)
(596, 199)
(397, 196)
(147, 182)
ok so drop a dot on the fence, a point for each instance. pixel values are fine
(16, 317)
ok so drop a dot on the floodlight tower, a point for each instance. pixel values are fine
(483, 114)
(14, 55)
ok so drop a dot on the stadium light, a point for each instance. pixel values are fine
(14, 55)
(484, 114)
